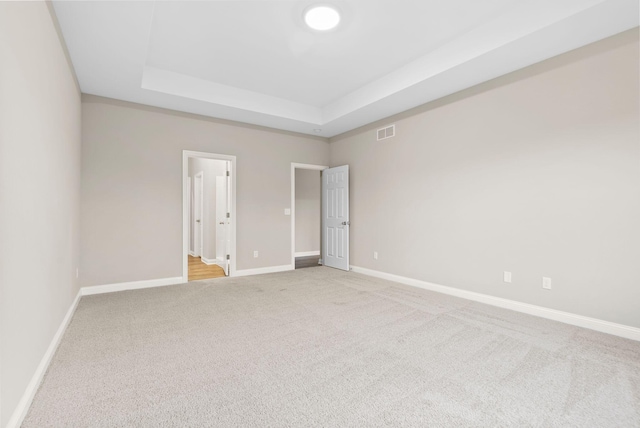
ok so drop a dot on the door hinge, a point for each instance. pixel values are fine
(228, 257)
(228, 215)
(228, 173)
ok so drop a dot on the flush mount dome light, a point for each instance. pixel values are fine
(322, 18)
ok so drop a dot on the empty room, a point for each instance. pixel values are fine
(342, 213)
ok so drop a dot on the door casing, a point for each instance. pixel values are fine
(295, 166)
(198, 214)
(186, 154)
(222, 222)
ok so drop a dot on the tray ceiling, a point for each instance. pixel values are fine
(256, 62)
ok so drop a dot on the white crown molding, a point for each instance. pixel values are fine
(615, 329)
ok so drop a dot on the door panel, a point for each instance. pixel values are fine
(331, 241)
(335, 217)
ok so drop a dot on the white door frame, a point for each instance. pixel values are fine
(192, 253)
(222, 223)
(198, 224)
(295, 166)
(186, 154)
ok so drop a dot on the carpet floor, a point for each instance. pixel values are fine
(325, 348)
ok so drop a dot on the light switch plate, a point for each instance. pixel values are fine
(287, 211)
(507, 276)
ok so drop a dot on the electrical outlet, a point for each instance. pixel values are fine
(375, 255)
(507, 277)
(255, 254)
(546, 283)
(287, 211)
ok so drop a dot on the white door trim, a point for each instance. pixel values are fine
(198, 240)
(295, 166)
(189, 222)
(186, 154)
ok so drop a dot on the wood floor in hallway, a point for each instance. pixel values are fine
(200, 270)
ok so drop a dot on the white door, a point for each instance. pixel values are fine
(227, 265)
(335, 217)
(222, 223)
(198, 213)
(190, 215)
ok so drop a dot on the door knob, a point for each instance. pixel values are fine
(345, 223)
(197, 221)
(222, 222)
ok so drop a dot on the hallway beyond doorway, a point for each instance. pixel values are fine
(200, 270)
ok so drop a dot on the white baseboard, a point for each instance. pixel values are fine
(307, 253)
(25, 402)
(134, 285)
(216, 261)
(621, 330)
(192, 253)
(209, 261)
(260, 271)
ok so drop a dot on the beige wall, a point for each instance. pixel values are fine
(131, 195)
(211, 169)
(307, 199)
(537, 173)
(39, 192)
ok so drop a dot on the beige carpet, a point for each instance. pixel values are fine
(320, 347)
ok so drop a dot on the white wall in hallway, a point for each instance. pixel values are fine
(211, 169)
(307, 210)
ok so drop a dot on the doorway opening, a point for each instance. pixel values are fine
(208, 216)
(306, 226)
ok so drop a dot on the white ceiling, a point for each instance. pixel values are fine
(256, 62)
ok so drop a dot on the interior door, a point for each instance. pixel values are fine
(227, 250)
(197, 213)
(190, 215)
(335, 217)
(222, 223)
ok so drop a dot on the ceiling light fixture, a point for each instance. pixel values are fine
(322, 18)
(317, 130)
